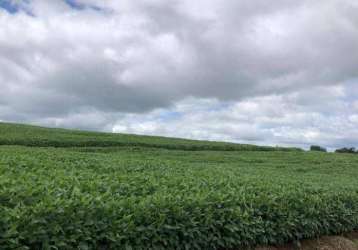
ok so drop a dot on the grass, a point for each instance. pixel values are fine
(140, 197)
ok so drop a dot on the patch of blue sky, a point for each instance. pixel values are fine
(10, 6)
(13, 7)
(169, 115)
(75, 4)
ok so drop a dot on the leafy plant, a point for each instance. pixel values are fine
(133, 197)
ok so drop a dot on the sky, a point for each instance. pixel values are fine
(281, 72)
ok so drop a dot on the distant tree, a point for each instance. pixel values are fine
(347, 150)
(318, 148)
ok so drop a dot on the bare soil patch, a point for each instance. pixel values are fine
(347, 242)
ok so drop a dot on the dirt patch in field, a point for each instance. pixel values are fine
(348, 242)
(353, 236)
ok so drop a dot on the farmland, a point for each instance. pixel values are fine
(17, 134)
(65, 189)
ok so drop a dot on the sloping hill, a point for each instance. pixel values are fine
(26, 135)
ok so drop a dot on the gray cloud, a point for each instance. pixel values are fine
(113, 59)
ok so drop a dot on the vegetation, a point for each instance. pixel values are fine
(347, 150)
(140, 197)
(318, 148)
(25, 135)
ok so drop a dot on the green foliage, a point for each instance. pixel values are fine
(347, 150)
(318, 148)
(140, 198)
(153, 198)
(25, 135)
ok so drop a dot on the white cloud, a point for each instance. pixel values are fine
(251, 71)
(263, 120)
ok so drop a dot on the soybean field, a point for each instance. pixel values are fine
(67, 189)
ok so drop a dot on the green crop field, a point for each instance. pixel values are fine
(62, 189)
(16, 134)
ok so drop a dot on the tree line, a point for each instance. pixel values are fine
(351, 150)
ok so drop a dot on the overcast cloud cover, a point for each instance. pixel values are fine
(279, 72)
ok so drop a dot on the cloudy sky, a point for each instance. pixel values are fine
(281, 72)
